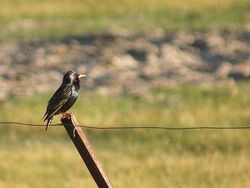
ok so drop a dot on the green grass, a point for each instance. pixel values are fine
(29, 19)
(30, 157)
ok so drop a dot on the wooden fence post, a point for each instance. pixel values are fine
(85, 150)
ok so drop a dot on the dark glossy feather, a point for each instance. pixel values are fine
(56, 102)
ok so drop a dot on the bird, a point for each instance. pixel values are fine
(64, 97)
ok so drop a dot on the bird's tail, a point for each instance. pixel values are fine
(45, 116)
(49, 120)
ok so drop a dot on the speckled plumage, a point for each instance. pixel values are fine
(64, 97)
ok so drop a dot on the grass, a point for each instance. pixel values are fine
(29, 19)
(30, 157)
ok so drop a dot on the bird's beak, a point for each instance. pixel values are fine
(81, 75)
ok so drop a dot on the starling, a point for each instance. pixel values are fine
(64, 97)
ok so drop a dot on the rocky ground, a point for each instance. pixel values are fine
(123, 62)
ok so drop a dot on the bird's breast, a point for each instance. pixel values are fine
(74, 92)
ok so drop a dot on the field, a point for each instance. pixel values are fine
(30, 157)
(46, 19)
(34, 39)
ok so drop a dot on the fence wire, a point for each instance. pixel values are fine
(228, 127)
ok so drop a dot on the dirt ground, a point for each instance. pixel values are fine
(123, 62)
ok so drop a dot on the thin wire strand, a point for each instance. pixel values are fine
(25, 124)
(134, 127)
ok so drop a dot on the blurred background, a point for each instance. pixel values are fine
(149, 63)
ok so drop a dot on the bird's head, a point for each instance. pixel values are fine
(72, 77)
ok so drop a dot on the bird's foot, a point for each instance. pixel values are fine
(66, 115)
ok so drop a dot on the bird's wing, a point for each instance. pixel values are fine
(60, 97)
